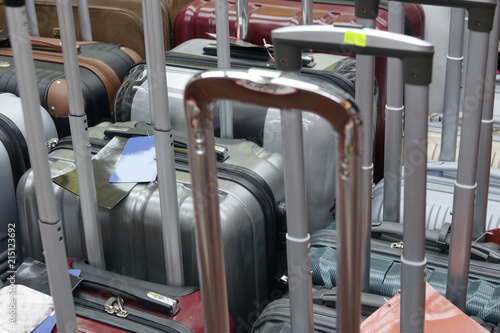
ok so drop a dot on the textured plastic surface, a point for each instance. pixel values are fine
(136, 218)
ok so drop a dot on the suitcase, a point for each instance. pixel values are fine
(197, 18)
(258, 124)
(482, 300)
(102, 67)
(14, 162)
(251, 238)
(126, 17)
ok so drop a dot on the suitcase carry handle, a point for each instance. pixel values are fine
(52, 43)
(50, 224)
(266, 89)
(416, 56)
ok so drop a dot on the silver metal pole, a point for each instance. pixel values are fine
(242, 19)
(394, 122)
(483, 167)
(299, 277)
(83, 13)
(465, 186)
(32, 21)
(453, 83)
(413, 261)
(157, 81)
(80, 137)
(307, 12)
(50, 224)
(224, 62)
(365, 72)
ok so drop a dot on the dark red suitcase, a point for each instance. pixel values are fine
(198, 18)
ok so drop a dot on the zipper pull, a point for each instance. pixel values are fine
(114, 305)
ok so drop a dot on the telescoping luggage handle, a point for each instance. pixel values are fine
(266, 89)
(80, 137)
(50, 224)
(416, 56)
(169, 206)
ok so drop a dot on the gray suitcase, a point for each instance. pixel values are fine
(251, 187)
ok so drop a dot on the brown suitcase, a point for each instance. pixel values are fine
(125, 16)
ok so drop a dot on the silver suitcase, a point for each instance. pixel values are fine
(131, 230)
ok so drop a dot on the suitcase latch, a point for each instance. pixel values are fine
(114, 305)
(398, 245)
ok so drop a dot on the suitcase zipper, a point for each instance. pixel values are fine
(107, 76)
(135, 320)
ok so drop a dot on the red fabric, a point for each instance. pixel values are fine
(440, 316)
(493, 236)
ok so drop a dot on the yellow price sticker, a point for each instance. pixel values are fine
(351, 37)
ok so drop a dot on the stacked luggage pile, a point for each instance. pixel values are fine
(230, 187)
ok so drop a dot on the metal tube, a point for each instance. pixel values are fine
(453, 82)
(157, 81)
(299, 277)
(242, 19)
(394, 122)
(415, 172)
(224, 62)
(465, 186)
(32, 20)
(80, 137)
(272, 90)
(85, 26)
(484, 159)
(307, 12)
(50, 225)
(365, 72)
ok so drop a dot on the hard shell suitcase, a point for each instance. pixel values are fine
(115, 21)
(258, 124)
(14, 162)
(197, 18)
(251, 186)
(102, 67)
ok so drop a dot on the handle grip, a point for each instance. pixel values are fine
(416, 54)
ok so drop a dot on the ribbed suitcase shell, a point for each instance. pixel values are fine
(439, 203)
(434, 144)
(385, 273)
(11, 108)
(132, 236)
